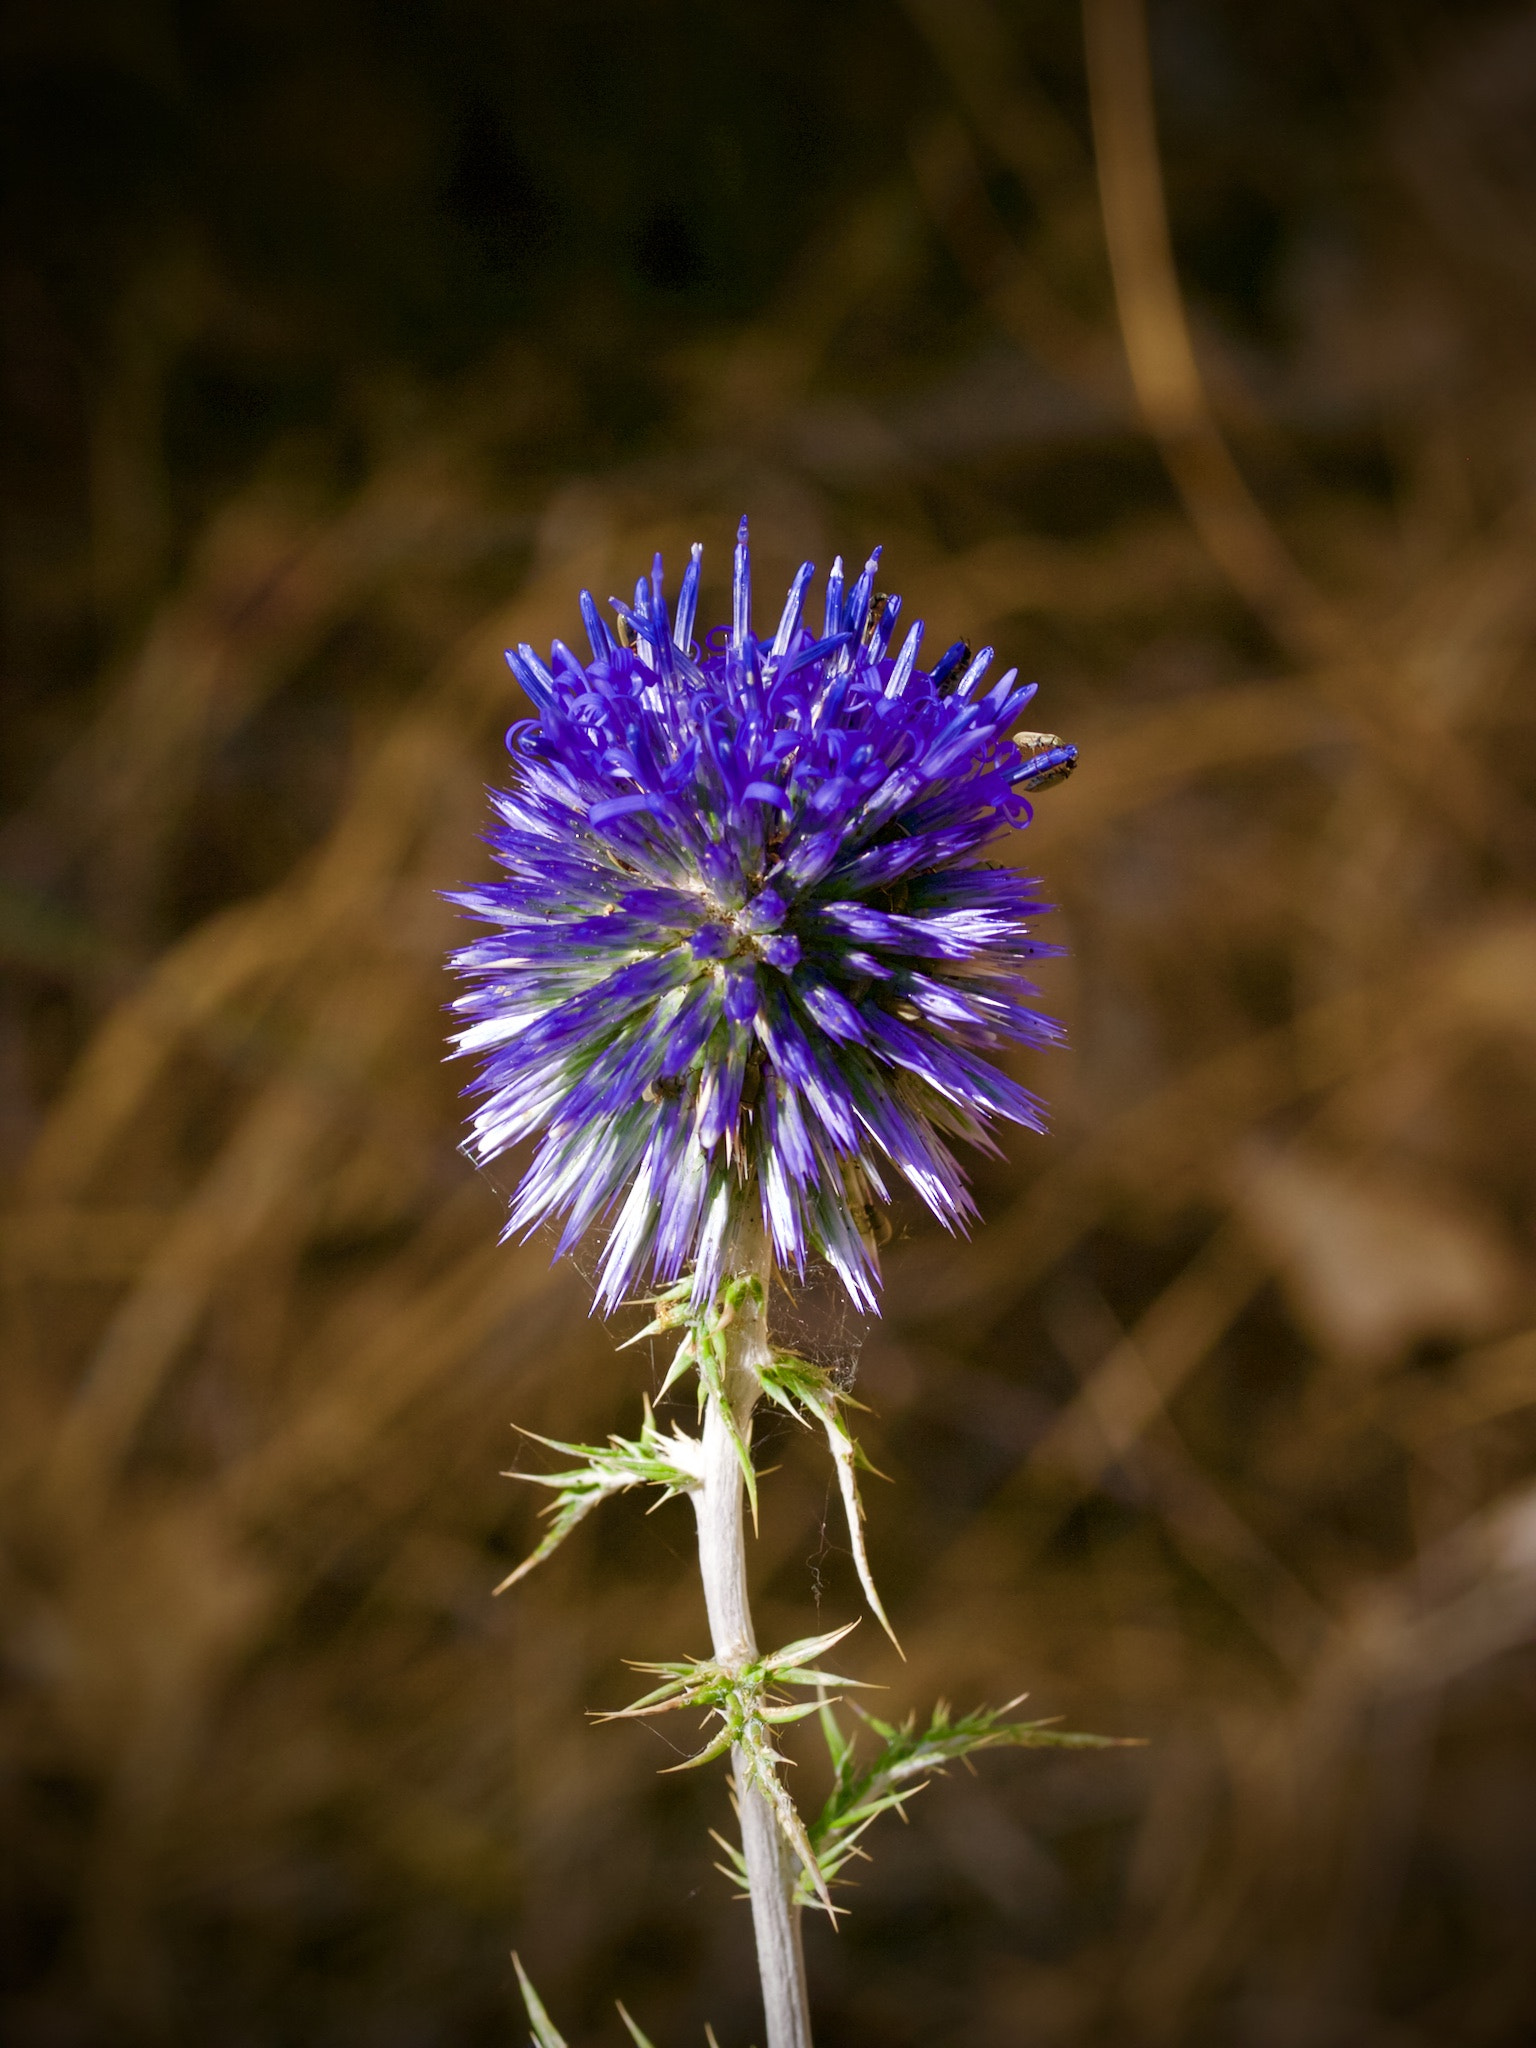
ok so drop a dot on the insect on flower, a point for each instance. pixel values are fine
(1050, 760)
(745, 948)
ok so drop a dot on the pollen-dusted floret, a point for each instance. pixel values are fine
(745, 950)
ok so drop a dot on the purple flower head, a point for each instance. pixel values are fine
(744, 950)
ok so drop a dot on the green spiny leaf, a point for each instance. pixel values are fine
(735, 1867)
(762, 1770)
(651, 1459)
(779, 1716)
(640, 2038)
(712, 1749)
(711, 1362)
(685, 1355)
(839, 1746)
(747, 1709)
(545, 2032)
(798, 1653)
(698, 1684)
(670, 1311)
(908, 1760)
(807, 1391)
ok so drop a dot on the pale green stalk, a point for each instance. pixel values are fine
(718, 1502)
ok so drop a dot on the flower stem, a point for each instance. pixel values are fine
(722, 1566)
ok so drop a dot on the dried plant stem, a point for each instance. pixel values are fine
(723, 1568)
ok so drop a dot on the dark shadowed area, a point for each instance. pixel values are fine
(340, 345)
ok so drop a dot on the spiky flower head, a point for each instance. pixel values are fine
(745, 955)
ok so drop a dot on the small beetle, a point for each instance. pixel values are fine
(1050, 761)
(950, 662)
(875, 617)
(873, 1225)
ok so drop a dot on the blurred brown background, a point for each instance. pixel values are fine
(341, 345)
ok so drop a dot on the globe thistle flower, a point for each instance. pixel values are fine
(745, 951)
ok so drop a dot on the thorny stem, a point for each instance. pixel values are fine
(722, 1566)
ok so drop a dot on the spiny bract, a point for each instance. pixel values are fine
(744, 949)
